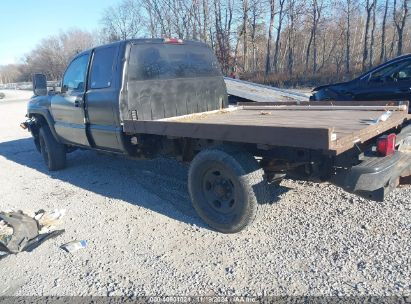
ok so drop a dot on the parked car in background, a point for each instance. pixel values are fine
(388, 81)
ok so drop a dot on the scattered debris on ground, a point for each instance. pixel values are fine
(74, 246)
(21, 231)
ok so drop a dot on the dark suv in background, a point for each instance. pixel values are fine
(388, 81)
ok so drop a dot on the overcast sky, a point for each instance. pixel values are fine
(23, 23)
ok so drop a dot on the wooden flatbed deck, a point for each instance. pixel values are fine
(331, 128)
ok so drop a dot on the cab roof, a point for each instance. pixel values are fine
(140, 41)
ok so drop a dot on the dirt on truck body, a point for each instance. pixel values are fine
(150, 97)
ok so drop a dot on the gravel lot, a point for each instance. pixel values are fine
(145, 238)
(12, 95)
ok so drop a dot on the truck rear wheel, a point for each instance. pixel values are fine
(54, 153)
(226, 186)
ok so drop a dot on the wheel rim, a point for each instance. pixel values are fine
(219, 190)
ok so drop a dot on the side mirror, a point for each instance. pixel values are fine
(39, 84)
(57, 87)
(63, 89)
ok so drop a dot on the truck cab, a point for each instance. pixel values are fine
(143, 78)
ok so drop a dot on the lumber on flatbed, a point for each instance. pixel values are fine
(332, 131)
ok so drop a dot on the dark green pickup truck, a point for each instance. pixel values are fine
(166, 97)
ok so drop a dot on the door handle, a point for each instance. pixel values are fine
(78, 101)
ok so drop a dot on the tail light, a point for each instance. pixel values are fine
(173, 40)
(386, 144)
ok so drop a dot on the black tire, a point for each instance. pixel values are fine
(37, 143)
(226, 186)
(54, 153)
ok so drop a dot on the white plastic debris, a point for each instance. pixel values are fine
(384, 117)
(74, 245)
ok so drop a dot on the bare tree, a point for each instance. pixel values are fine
(12, 73)
(290, 37)
(383, 31)
(316, 9)
(369, 6)
(270, 34)
(371, 58)
(52, 54)
(278, 38)
(400, 18)
(223, 21)
(348, 11)
(205, 20)
(123, 21)
(244, 32)
(255, 26)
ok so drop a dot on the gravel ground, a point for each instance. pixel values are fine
(10, 95)
(145, 238)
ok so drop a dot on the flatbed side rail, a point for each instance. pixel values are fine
(326, 108)
(330, 103)
(290, 137)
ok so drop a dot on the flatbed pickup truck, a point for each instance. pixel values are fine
(146, 98)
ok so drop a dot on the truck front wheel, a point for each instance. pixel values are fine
(54, 153)
(226, 186)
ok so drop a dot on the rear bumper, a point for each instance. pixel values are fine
(375, 177)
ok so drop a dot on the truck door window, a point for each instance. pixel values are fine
(75, 74)
(102, 67)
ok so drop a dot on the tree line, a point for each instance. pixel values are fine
(281, 42)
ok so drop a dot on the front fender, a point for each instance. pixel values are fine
(39, 106)
(330, 93)
(323, 95)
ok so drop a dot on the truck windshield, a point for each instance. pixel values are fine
(167, 61)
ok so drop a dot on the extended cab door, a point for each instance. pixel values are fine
(67, 107)
(102, 98)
